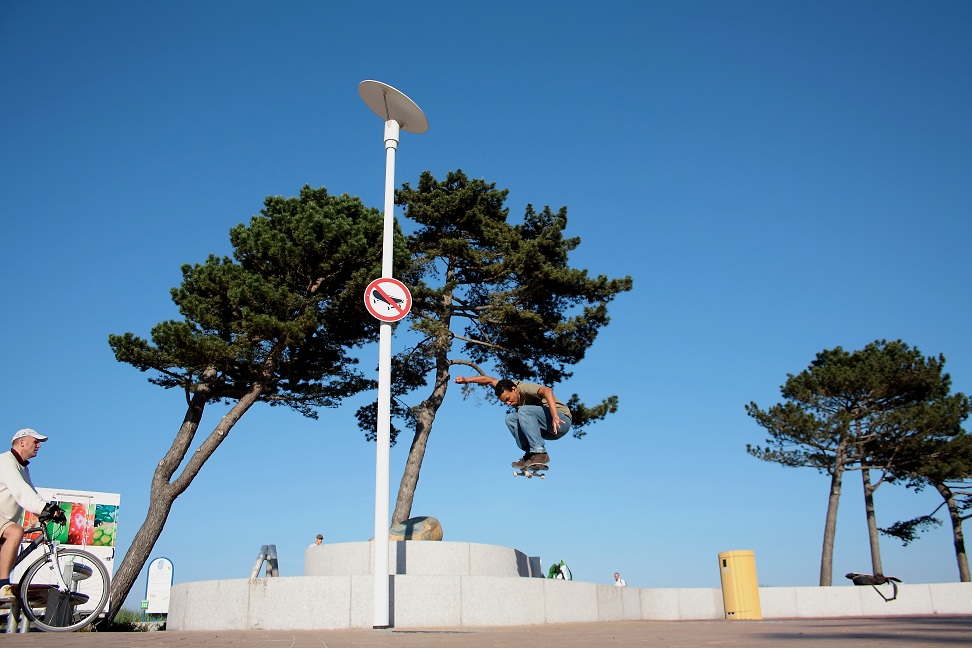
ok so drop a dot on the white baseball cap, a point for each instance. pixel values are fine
(27, 432)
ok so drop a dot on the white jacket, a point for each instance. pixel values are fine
(16, 490)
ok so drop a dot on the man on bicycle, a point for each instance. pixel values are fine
(16, 494)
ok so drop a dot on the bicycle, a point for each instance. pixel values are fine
(63, 590)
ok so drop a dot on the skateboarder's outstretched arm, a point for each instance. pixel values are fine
(477, 380)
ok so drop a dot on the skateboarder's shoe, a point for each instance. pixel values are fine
(536, 458)
(522, 462)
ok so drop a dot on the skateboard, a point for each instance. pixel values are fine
(378, 297)
(531, 470)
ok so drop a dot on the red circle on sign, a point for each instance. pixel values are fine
(388, 299)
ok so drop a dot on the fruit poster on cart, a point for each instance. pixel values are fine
(92, 518)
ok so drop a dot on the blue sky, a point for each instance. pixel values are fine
(777, 177)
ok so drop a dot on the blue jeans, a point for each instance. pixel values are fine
(531, 424)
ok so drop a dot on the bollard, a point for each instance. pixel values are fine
(740, 588)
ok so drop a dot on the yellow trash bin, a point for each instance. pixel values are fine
(740, 589)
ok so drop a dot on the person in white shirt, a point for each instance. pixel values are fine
(618, 581)
(16, 494)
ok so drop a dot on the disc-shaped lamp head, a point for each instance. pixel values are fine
(389, 103)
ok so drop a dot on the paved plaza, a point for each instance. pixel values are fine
(913, 632)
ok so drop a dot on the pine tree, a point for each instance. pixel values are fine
(945, 463)
(488, 292)
(857, 411)
(272, 325)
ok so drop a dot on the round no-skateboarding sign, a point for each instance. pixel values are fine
(388, 299)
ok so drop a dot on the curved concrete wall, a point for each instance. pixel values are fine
(420, 558)
(334, 602)
(438, 584)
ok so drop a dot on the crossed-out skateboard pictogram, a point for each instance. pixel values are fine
(387, 299)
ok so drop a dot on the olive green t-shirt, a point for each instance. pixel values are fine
(529, 396)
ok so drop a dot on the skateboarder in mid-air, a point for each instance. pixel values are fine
(539, 416)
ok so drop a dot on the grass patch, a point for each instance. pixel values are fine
(125, 621)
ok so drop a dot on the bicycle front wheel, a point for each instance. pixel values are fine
(65, 595)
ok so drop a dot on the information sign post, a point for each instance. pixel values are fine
(158, 584)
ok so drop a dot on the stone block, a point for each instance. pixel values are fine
(431, 558)
(951, 598)
(828, 601)
(631, 603)
(778, 602)
(338, 559)
(659, 604)
(911, 599)
(493, 560)
(610, 603)
(426, 601)
(416, 528)
(318, 602)
(362, 602)
(210, 605)
(701, 603)
(498, 601)
(569, 601)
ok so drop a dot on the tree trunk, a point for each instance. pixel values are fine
(872, 529)
(830, 525)
(161, 500)
(958, 538)
(426, 411)
(424, 415)
(164, 491)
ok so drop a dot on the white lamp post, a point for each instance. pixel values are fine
(399, 113)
